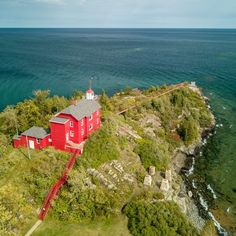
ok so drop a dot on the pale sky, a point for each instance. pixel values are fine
(118, 13)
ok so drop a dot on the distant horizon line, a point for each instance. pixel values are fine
(49, 27)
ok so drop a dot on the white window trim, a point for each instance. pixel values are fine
(72, 134)
(82, 122)
(71, 124)
(90, 126)
(37, 140)
(91, 117)
(82, 131)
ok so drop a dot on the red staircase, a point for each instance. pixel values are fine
(53, 192)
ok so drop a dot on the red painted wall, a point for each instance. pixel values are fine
(81, 128)
(22, 142)
(58, 135)
(95, 122)
(75, 128)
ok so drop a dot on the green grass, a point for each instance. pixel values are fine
(115, 226)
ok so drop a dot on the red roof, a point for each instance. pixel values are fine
(90, 91)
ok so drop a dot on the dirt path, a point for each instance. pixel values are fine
(178, 86)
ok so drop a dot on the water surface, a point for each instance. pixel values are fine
(63, 60)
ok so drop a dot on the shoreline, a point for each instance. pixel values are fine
(191, 154)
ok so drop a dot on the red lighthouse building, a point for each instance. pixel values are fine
(69, 127)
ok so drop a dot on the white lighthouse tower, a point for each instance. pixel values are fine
(90, 92)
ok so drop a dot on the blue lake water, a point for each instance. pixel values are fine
(63, 60)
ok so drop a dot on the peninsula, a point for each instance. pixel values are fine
(128, 179)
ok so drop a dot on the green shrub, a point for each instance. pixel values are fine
(152, 154)
(101, 147)
(188, 130)
(159, 219)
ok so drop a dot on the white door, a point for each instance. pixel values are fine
(31, 144)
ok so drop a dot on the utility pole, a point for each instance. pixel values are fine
(90, 83)
(27, 141)
(16, 124)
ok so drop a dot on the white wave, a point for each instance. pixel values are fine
(193, 184)
(212, 191)
(190, 171)
(203, 202)
(219, 125)
(204, 142)
(217, 225)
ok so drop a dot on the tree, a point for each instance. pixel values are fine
(159, 218)
(8, 121)
(188, 130)
(28, 114)
(152, 153)
(41, 96)
(105, 101)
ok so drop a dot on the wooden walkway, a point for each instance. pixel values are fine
(57, 186)
(176, 87)
(53, 192)
(35, 226)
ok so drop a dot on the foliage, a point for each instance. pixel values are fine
(77, 95)
(14, 210)
(8, 121)
(159, 218)
(152, 154)
(3, 145)
(105, 102)
(101, 147)
(31, 112)
(79, 202)
(41, 175)
(188, 130)
(87, 204)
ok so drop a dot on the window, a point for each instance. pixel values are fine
(91, 117)
(82, 122)
(82, 131)
(72, 133)
(38, 141)
(90, 127)
(71, 124)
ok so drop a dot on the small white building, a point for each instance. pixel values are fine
(165, 186)
(148, 180)
(152, 170)
(168, 175)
